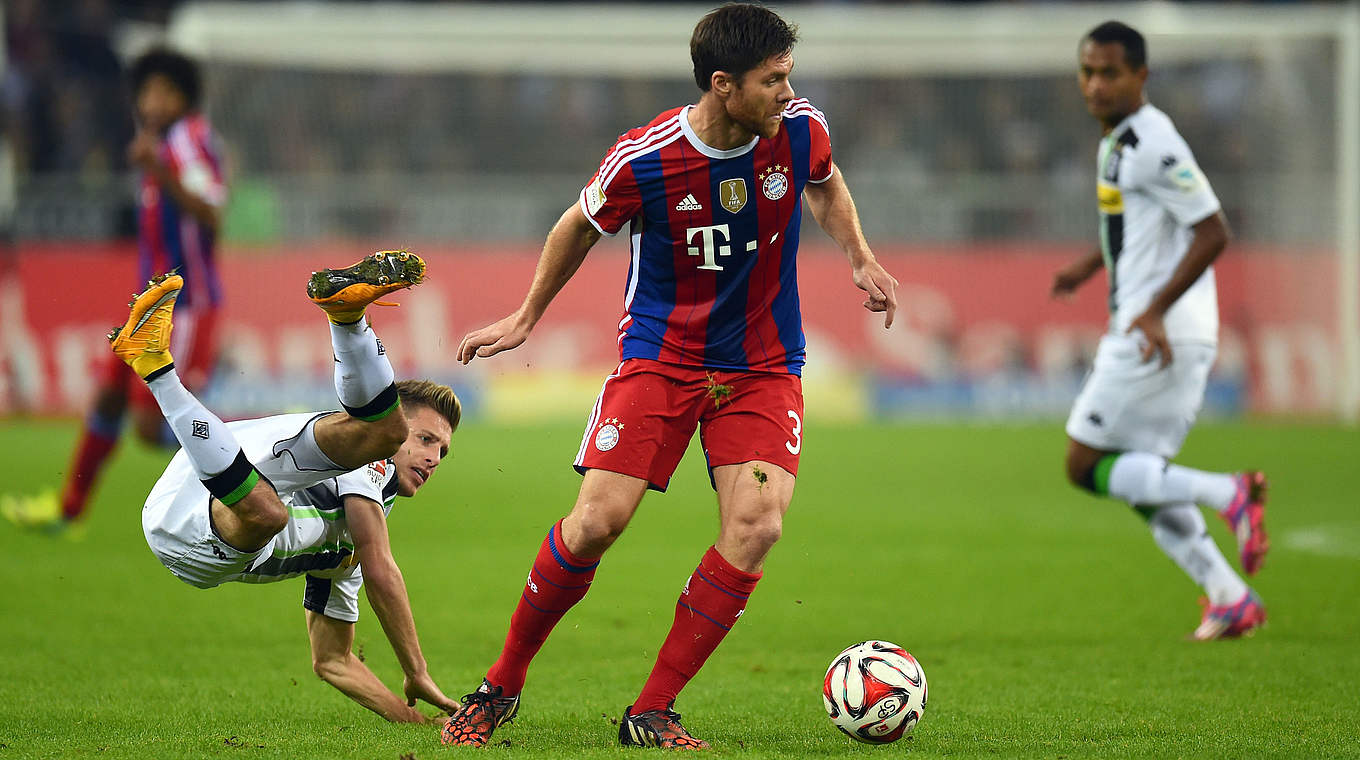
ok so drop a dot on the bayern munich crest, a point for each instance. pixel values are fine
(774, 183)
(608, 435)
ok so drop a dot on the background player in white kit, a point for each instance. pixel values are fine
(1161, 227)
(267, 499)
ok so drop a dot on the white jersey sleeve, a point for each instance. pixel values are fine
(1169, 175)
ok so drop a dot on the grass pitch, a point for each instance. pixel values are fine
(1048, 623)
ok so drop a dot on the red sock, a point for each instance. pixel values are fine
(713, 600)
(557, 581)
(97, 441)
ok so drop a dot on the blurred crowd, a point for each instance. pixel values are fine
(66, 112)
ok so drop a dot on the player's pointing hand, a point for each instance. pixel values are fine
(873, 279)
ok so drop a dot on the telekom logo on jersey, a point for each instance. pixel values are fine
(712, 243)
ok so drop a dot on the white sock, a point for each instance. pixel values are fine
(362, 370)
(206, 440)
(1180, 532)
(1148, 480)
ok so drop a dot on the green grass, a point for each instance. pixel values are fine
(1047, 622)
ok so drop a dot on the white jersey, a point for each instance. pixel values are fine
(316, 541)
(1150, 193)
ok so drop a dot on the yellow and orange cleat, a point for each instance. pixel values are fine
(143, 342)
(344, 293)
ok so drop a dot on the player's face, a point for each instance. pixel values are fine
(159, 103)
(759, 97)
(427, 443)
(1112, 89)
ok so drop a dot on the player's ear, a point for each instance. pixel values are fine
(722, 83)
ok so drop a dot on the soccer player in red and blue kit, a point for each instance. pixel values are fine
(181, 195)
(711, 338)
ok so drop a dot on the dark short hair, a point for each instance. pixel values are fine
(180, 69)
(737, 38)
(440, 398)
(1135, 47)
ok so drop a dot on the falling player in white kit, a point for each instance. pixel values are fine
(1161, 228)
(262, 500)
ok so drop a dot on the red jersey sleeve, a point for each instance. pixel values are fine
(612, 197)
(819, 139)
(191, 157)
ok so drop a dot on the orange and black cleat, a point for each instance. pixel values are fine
(344, 293)
(656, 728)
(483, 710)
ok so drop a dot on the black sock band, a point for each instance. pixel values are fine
(158, 372)
(232, 484)
(379, 407)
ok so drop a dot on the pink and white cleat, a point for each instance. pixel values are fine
(1230, 621)
(1246, 518)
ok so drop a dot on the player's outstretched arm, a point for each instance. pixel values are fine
(834, 209)
(1069, 278)
(386, 590)
(333, 661)
(567, 245)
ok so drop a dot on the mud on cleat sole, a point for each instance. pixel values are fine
(384, 269)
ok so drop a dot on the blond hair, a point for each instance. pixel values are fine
(440, 398)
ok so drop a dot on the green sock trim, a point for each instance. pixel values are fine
(382, 405)
(383, 413)
(242, 490)
(1100, 476)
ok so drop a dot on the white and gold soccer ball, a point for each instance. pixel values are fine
(875, 692)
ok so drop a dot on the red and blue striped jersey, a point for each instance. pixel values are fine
(713, 280)
(168, 236)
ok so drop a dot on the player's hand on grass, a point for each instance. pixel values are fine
(494, 338)
(873, 279)
(422, 687)
(1154, 337)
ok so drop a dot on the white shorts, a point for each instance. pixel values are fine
(1127, 404)
(177, 517)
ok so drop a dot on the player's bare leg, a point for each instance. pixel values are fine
(604, 506)
(371, 427)
(559, 578)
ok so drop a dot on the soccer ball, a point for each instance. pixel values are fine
(875, 692)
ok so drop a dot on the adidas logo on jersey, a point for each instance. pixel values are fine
(690, 203)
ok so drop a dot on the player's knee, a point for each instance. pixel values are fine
(599, 528)
(1080, 472)
(759, 529)
(263, 518)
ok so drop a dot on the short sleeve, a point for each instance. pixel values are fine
(612, 198)
(1169, 175)
(367, 481)
(820, 166)
(336, 598)
(188, 154)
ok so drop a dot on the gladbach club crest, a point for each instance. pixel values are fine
(774, 182)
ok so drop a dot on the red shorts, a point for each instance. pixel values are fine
(193, 344)
(647, 412)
